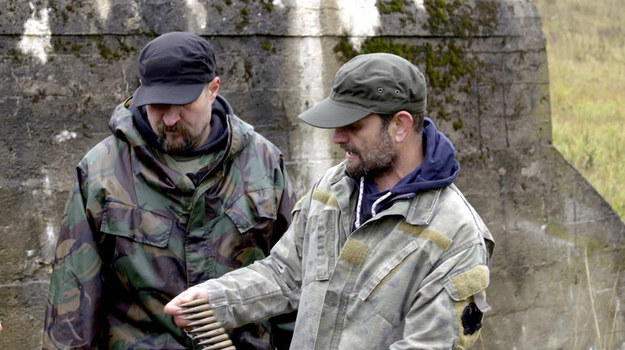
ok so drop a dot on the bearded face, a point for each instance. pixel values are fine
(373, 158)
(178, 137)
(182, 127)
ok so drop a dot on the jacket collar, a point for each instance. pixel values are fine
(152, 169)
(417, 210)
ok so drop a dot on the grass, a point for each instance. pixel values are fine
(586, 50)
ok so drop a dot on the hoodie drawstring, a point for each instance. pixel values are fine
(360, 199)
(375, 204)
(359, 205)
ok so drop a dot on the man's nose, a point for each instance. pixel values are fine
(171, 116)
(340, 135)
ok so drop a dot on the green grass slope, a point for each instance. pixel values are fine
(586, 52)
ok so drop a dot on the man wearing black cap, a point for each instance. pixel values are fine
(384, 252)
(182, 192)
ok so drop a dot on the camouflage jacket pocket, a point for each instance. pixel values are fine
(253, 209)
(140, 225)
(390, 268)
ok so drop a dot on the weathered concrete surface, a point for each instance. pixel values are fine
(557, 276)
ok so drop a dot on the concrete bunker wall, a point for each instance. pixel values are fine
(557, 278)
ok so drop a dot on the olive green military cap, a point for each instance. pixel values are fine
(380, 83)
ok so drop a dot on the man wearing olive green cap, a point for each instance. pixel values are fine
(384, 252)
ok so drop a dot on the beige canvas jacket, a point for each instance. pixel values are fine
(412, 277)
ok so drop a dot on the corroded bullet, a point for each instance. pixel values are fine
(199, 315)
(205, 327)
(195, 302)
(199, 308)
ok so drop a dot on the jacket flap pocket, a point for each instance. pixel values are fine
(140, 225)
(386, 270)
(467, 283)
(249, 210)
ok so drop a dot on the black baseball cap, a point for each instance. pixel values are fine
(174, 68)
(380, 83)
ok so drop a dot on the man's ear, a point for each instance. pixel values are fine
(403, 125)
(213, 87)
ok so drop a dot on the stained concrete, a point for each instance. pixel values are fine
(557, 274)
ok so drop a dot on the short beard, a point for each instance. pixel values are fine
(380, 160)
(185, 142)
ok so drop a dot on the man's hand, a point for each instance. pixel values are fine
(174, 306)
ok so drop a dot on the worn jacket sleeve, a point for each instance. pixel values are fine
(72, 315)
(286, 201)
(268, 287)
(445, 312)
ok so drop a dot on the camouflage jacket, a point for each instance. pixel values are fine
(136, 233)
(411, 277)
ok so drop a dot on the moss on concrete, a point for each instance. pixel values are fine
(61, 46)
(378, 44)
(15, 55)
(249, 70)
(401, 7)
(268, 4)
(487, 13)
(116, 51)
(386, 7)
(445, 63)
(346, 50)
(244, 16)
(461, 18)
(458, 124)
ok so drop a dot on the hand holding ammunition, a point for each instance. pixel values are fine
(204, 326)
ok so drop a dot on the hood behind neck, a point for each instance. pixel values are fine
(216, 139)
(438, 169)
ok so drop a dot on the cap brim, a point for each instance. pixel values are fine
(331, 114)
(167, 94)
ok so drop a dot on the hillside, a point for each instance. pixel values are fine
(586, 50)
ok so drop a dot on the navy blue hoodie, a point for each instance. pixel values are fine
(439, 169)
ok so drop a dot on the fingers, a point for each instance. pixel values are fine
(193, 295)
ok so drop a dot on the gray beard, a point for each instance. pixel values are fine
(380, 160)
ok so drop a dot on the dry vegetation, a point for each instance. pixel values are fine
(586, 50)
